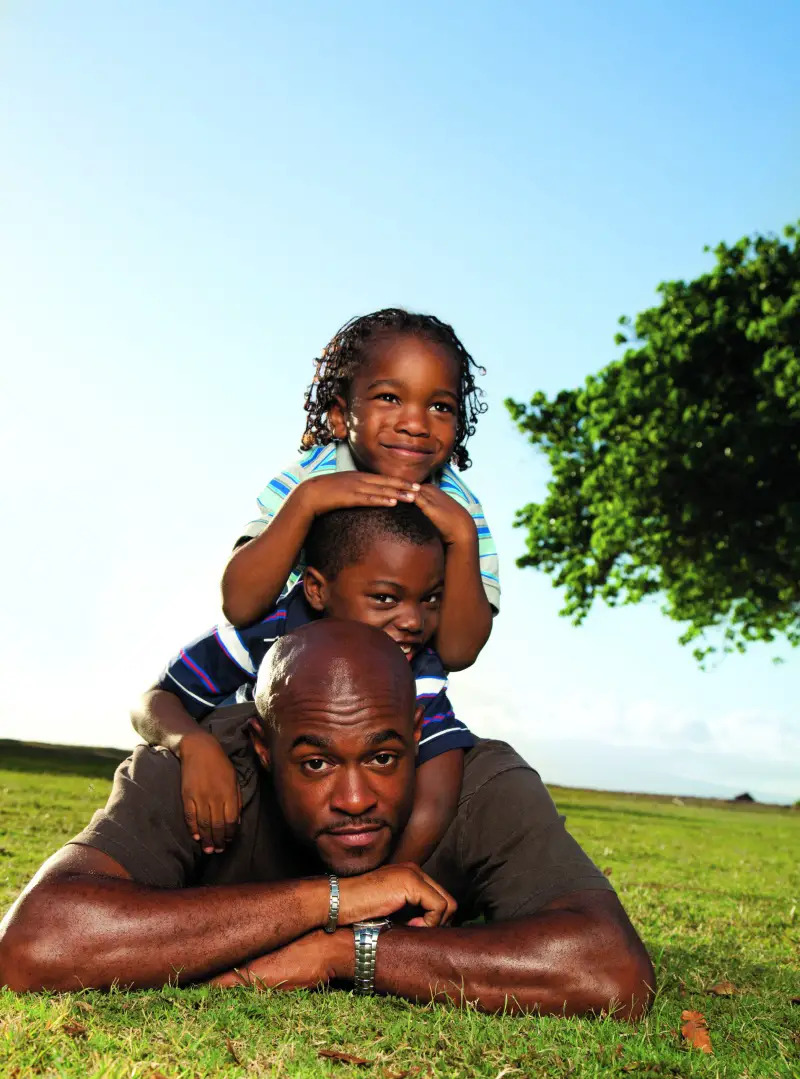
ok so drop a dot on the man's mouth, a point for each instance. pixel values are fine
(361, 835)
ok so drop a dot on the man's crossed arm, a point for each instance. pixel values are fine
(83, 923)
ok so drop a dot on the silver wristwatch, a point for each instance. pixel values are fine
(366, 940)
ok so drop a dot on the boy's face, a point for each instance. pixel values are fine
(402, 414)
(396, 586)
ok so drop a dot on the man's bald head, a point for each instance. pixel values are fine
(339, 732)
(342, 661)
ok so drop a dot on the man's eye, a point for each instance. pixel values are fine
(384, 760)
(315, 766)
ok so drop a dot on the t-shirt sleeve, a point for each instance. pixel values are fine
(487, 549)
(142, 825)
(516, 851)
(209, 670)
(271, 499)
(441, 731)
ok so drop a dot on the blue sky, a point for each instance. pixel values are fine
(195, 196)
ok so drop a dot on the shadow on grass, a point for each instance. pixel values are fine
(59, 760)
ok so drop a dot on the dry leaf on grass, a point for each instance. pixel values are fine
(695, 1031)
(343, 1058)
(723, 989)
(75, 1030)
(232, 1050)
(607, 871)
(84, 1005)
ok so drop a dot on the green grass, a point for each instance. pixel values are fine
(713, 889)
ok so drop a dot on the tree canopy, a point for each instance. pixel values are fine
(676, 469)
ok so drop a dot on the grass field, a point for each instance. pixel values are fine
(713, 889)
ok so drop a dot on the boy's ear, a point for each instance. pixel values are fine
(316, 588)
(419, 715)
(337, 418)
(260, 743)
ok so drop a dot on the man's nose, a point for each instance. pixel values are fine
(352, 793)
(413, 420)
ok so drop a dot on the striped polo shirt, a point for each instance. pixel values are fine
(337, 457)
(220, 668)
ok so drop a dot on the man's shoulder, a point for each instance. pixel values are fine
(488, 759)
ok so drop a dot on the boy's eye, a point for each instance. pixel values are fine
(434, 599)
(383, 598)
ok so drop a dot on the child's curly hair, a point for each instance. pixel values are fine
(349, 349)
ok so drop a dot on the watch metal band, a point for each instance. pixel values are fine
(366, 942)
(333, 906)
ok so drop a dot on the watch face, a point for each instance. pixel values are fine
(373, 923)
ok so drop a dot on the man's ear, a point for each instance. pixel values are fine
(337, 418)
(316, 588)
(419, 715)
(260, 744)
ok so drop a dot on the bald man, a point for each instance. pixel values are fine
(302, 895)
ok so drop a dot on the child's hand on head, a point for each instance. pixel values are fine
(453, 522)
(345, 489)
(212, 800)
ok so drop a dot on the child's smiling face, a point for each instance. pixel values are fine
(402, 414)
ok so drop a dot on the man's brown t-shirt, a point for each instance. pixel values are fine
(506, 854)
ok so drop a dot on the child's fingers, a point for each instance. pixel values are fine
(190, 816)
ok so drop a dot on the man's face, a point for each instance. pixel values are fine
(396, 586)
(401, 418)
(342, 764)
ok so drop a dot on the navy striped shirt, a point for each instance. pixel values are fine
(221, 667)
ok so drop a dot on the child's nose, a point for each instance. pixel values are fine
(413, 419)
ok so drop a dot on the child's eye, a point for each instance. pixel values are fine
(434, 599)
(383, 598)
(442, 406)
(386, 397)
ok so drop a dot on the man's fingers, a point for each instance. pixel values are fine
(231, 819)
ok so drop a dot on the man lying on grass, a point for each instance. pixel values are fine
(302, 894)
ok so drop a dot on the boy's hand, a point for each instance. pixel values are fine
(451, 519)
(212, 800)
(343, 489)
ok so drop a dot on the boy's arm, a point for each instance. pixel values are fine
(258, 570)
(435, 803)
(209, 787)
(465, 619)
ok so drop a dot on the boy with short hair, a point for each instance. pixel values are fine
(382, 566)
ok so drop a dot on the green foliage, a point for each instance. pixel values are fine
(676, 469)
(712, 888)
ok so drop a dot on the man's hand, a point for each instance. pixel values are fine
(212, 800)
(390, 889)
(314, 959)
(454, 523)
(344, 489)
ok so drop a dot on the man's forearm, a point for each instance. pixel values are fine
(85, 931)
(556, 962)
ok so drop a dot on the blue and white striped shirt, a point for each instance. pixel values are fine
(221, 667)
(337, 457)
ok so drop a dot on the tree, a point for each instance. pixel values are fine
(676, 469)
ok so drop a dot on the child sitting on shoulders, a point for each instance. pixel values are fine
(392, 404)
(385, 567)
